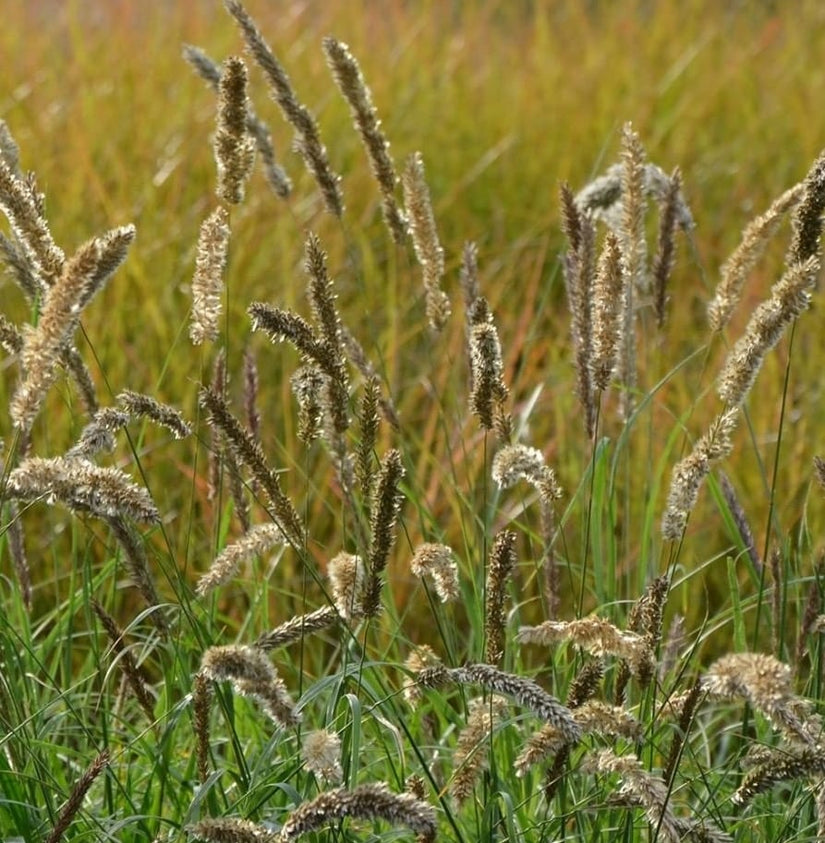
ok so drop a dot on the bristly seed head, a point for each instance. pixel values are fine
(428, 250)
(234, 148)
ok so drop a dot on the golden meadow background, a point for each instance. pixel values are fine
(504, 100)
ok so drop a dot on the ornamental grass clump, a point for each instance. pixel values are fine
(501, 591)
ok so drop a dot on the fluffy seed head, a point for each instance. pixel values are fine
(437, 561)
(207, 285)
(348, 581)
(322, 755)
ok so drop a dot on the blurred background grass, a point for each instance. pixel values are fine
(504, 100)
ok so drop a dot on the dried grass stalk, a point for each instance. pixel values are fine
(368, 424)
(231, 830)
(468, 276)
(603, 197)
(418, 661)
(82, 487)
(10, 337)
(250, 393)
(593, 634)
(489, 391)
(740, 520)
(813, 606)
(137, 404)
(307, 385)
(645, 619)
(217, 450)
(9, 150)
(777, 599)
(688, 709)
(608, 310)
(351, 83)
(634, 257)
(21, 269)
(280, 325)
(114, 246)
(98, 436)
(521, 462)
(525, 692)
(779, 765)
(322, 299)
(137, 562)
(296, 628)
(807, 217)
(416, 786)
(42, 346)
(579, 282)
(369, 801)
(765, 683)
(428, 250)
(593, 717)
(308, 141)
(585, 683)
(359, 359)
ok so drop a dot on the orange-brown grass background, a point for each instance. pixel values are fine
(504, 100)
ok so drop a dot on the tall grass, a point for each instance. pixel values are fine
(403, 480)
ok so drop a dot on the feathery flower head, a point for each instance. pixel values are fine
(428, 250)
(207, 285)
(256, 542)
(690, 472)
(81, 486)
(347, 577)
(437, 561)
(368, 801)
(321, 752)
(766, 684)
(351, 83)
(593, 634)
(521, 462)
(252, 675)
